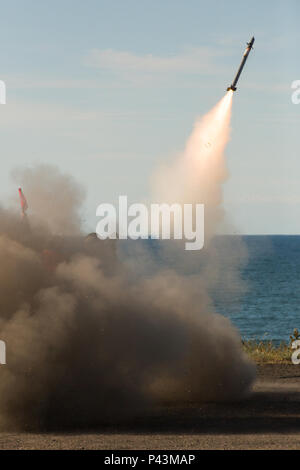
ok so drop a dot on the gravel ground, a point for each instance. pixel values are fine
(268, 419)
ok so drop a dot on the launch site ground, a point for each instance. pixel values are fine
(268, 419)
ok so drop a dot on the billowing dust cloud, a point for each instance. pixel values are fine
(88, 340)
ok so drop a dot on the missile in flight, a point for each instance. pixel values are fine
(245, 57)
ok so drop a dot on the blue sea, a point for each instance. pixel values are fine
(270, 307)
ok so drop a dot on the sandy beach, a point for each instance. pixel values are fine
(268, 419)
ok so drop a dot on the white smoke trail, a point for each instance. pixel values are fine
(198, 174)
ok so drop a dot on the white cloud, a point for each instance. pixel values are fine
(269, 86)
(28, 82)
(33, 115)
(200, 59)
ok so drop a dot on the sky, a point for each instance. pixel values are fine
(107, 90)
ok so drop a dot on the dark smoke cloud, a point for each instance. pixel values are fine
(46, 189)
(89, 341)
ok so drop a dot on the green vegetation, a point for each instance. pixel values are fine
(264, 351)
